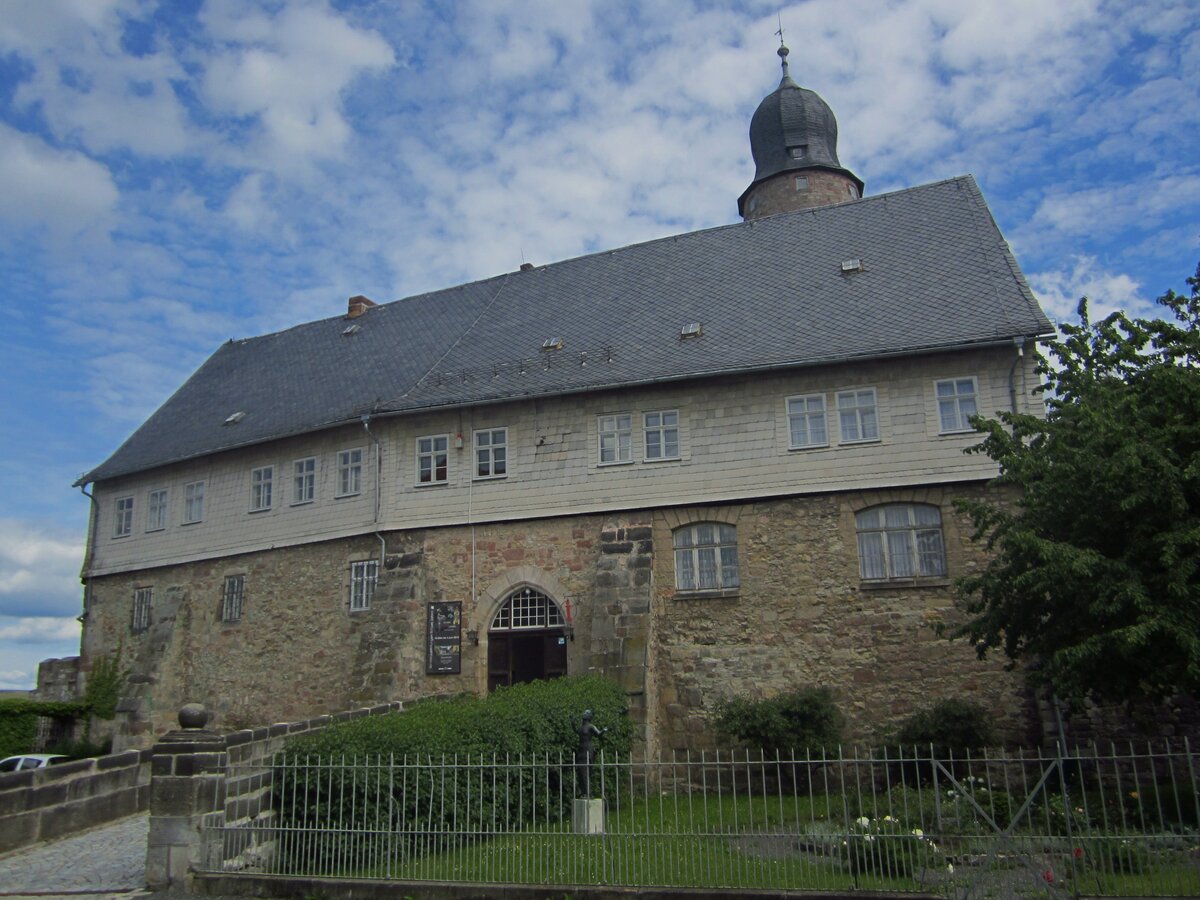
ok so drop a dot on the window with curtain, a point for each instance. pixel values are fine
(900, 540)
(706, 557)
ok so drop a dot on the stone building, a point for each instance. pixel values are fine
(718, 463)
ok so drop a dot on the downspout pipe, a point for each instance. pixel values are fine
(87, 547)
(1019, 343)
(366, 424)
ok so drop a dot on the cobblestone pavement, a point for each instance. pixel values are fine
(103, 862)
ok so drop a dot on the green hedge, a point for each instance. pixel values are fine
(18, 721)
(394, 784)
(803, 719)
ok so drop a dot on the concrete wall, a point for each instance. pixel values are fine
(43, 804)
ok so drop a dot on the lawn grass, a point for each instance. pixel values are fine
(799, 842)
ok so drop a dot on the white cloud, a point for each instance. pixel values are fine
(288, 73)
(1060, 291)
(39, 570)
(88, 89)
(61, 189)
(40, 630)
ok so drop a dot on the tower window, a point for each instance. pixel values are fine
(802, 182)
(852, 191)
(798, 152)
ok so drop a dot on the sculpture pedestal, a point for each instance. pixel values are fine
(588, 817)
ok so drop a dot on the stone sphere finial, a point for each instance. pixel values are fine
(193, 716)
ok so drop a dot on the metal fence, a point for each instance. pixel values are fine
(1115, 822)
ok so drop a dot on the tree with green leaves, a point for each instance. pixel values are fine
(1094, 578)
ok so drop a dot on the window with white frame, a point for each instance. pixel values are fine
(616, 438)
(662, 434)
(260, 488)
(806, 422)
(432, 459)
(156, 510)
(900, 540)
(363, 576)
(527, 608)
(706, 557)
(304, 480)
(349, 472)
(857, 415)
(233, 597)
(491, 453)
(957, 402)
(193, 502)
(123, 517)
(140, 620)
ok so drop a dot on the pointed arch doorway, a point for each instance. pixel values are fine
(527, 640)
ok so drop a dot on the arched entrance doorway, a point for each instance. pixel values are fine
(527, 640)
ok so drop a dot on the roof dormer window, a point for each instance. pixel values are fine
(798, 152)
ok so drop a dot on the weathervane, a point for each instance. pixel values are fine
(783, 50)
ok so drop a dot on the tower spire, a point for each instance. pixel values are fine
(783, 51)
(793, 139)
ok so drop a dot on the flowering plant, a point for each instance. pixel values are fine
(887, 847)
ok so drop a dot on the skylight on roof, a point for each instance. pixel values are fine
(691, 330)
(852, 265)
(236, 417)
(553, 343)
(351, 329)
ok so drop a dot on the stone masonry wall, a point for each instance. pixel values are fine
(804, 617)
(801, 616)
(779, 194)
(299, 651)
(56, 801)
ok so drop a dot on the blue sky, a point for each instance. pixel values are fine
(176, 174)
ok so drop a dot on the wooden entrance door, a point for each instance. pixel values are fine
(515, 657)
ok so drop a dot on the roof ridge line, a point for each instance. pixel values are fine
(458, 340)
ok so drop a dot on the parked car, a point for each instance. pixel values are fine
(30, 761)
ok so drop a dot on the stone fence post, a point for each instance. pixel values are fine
(187, 782)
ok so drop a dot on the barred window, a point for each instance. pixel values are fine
(349, 472)
(527, 608)
(123, 519)
(140, 621)
(900, 540)
(706, 557)
(363, 576)
(233, 597)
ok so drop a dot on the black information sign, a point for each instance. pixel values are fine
(443, 655)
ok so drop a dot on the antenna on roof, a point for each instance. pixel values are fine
(783, 51)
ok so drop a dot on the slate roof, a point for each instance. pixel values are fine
(770, 293)
(794, 116)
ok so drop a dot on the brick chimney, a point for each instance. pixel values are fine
(358, 305)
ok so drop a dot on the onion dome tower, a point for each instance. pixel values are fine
(793, 138)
